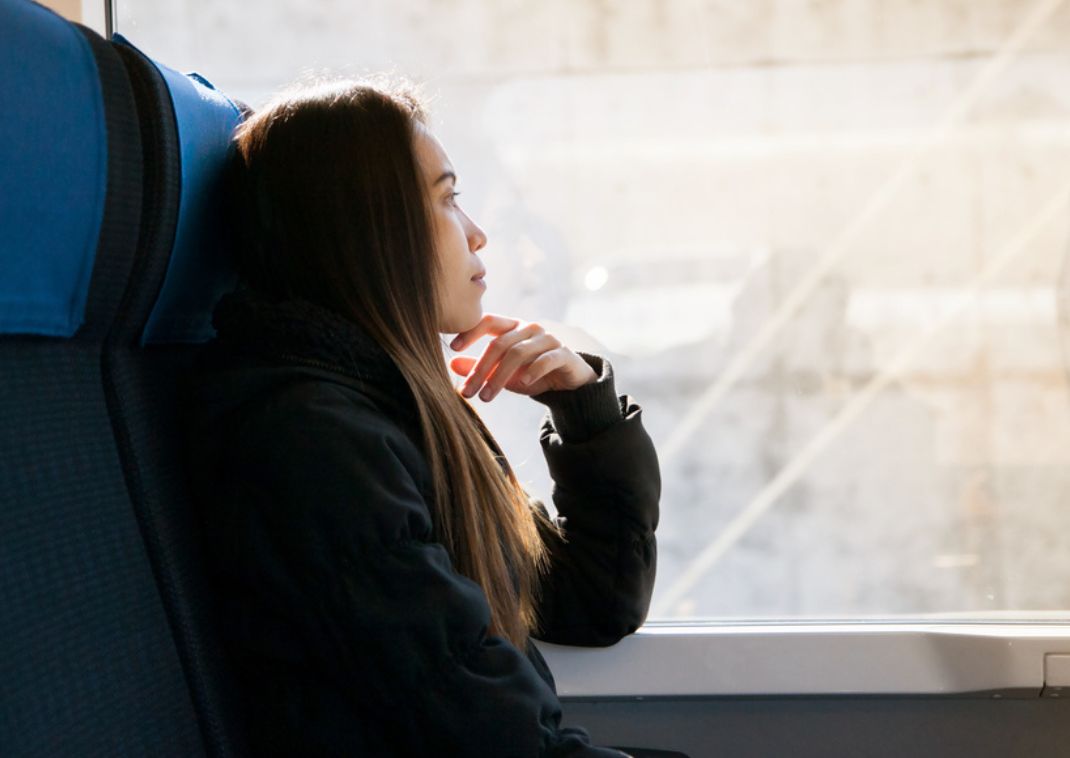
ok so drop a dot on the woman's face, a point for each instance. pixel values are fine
(457, 239)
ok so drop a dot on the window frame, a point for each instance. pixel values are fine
(1001, 659)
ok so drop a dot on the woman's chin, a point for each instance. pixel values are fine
(472, 322)
(462, 323)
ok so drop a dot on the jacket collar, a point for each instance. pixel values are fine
(301, 332)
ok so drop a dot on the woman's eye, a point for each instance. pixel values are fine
(453, 197)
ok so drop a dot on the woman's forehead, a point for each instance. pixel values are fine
(431, 155)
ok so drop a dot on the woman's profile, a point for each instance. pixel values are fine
(380, 570)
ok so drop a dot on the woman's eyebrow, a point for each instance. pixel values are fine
(446, 175)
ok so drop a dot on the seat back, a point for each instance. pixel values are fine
(184, 268)
(106, 638)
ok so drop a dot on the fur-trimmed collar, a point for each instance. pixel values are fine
(302, 332)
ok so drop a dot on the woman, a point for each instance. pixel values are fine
(381, 570)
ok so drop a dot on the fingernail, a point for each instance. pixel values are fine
(486, 394)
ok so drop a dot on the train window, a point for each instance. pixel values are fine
(824, 244)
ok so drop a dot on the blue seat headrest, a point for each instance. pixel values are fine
(53, 171)
(200, 268)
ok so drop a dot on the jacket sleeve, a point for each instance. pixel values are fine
(330, 530)
(606, 486)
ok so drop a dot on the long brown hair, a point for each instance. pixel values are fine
(335, 212)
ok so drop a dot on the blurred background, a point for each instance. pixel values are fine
(823, 243)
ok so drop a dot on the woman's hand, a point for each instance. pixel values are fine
(522, 358)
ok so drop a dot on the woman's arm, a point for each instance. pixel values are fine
(606, 489)
(605, 471)
(325, 537)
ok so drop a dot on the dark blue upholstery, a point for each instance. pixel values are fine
(55, 161)
(88, 662)
(106, 638)
(200, 270)
(183, 268)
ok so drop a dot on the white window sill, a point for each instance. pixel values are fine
(976, 659)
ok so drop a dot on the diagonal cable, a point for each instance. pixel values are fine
(791, 473)
(842, 244)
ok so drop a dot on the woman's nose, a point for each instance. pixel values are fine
(477, 238)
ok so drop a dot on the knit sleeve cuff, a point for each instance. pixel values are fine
(580, 414)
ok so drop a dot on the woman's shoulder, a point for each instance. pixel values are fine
(309, 398)
(273, 401)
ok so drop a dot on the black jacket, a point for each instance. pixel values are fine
(349, 629)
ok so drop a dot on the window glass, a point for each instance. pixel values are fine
(823, 244)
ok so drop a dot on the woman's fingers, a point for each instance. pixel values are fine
(541, 366)
(462, 364)
(521, 357)
(515, 361)
(491, 323)
(494, 353)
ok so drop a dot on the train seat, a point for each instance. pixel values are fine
(110, 260)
